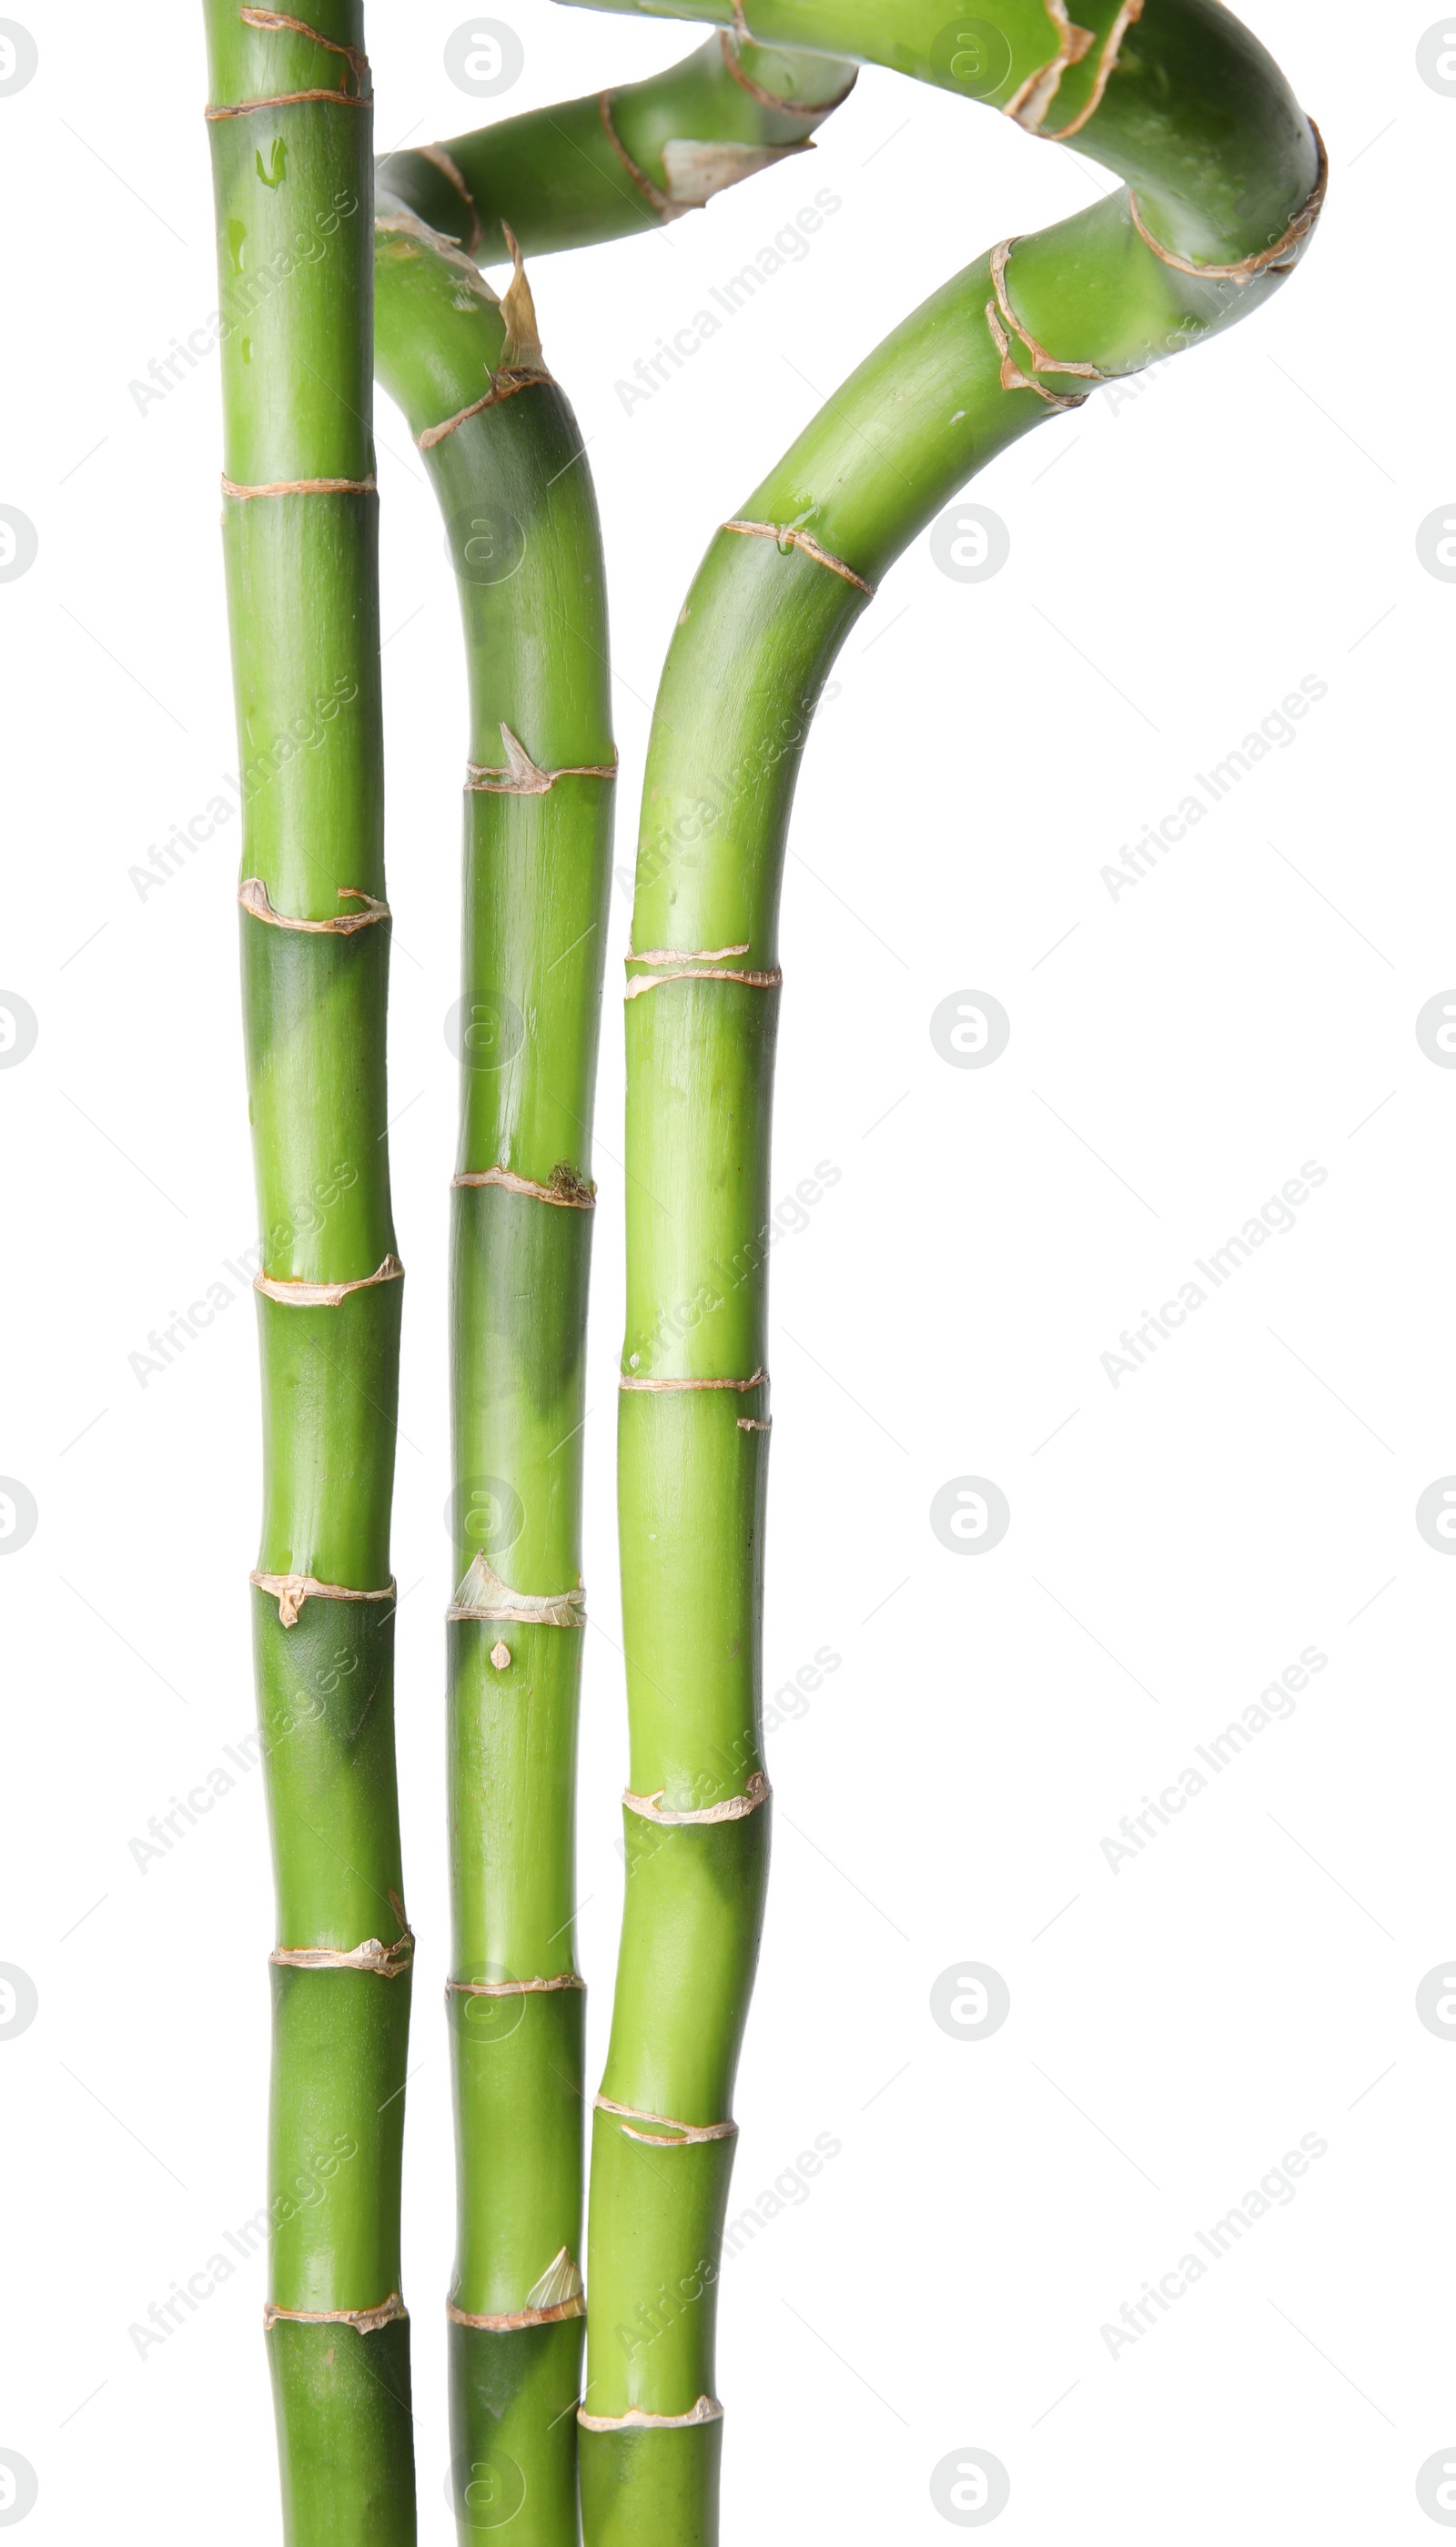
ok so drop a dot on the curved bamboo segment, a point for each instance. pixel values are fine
(626, 160)
(506, 457)
(1225, 177)
(290, 124)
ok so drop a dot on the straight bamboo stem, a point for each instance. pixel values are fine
(506, 457)
(290, 124)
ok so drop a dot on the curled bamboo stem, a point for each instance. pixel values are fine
(1202, 232)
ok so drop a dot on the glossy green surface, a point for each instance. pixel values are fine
(555, 179)
(341, 2052)
(345, 2434)
(326, 1713)
(655, 2268)
(696, 1720)
(292, 188)
(521, 524)
(1198, 118)
(509, 2395)
(651, 2489)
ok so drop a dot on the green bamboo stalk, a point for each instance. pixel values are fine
(504, 454)
(290, 124)
(1226, 179)
(627, 160)
(517, 500)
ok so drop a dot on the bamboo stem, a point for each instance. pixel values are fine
(627, 160)
(516, 495)
(1228, 176)
(290, 125)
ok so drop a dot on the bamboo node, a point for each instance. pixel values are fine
(640, 982)
(665, 209)
(683, 2134)
(1012, 376)
(440, 158)
(517, 2318)
(294, 97)
(271, 22)
(327, 1296)
(1034, 95)
(302, 485)
(366, 2321)
(1278, 259)
(1127, 16)
(514, 1989)
(521, 777)
(788, 536)
(683, 955)
(372, 1956)
(504, 385)
(575, 1191)
(734, 1809)
(253, 895)
(706, 2410)
(729, 47)
(483, 1595)
(557, 2295)
(664, 1387)
(290, 1591)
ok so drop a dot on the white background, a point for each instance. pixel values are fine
(1178, 564)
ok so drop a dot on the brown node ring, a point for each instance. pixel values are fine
(327, 1296)
(640, 982)
(364, 2320)
(518, 2317)
(252, 893)
(573, 1191)
(1276, 259)
(662, 205)
(787, 537)
(1031, 100)
(664, 1387)
(290, 1591)
(504, 383)
(440, 158)
(520, 777)
(302, 485)
(728, 44)
(638, 2420)
(295, 97)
